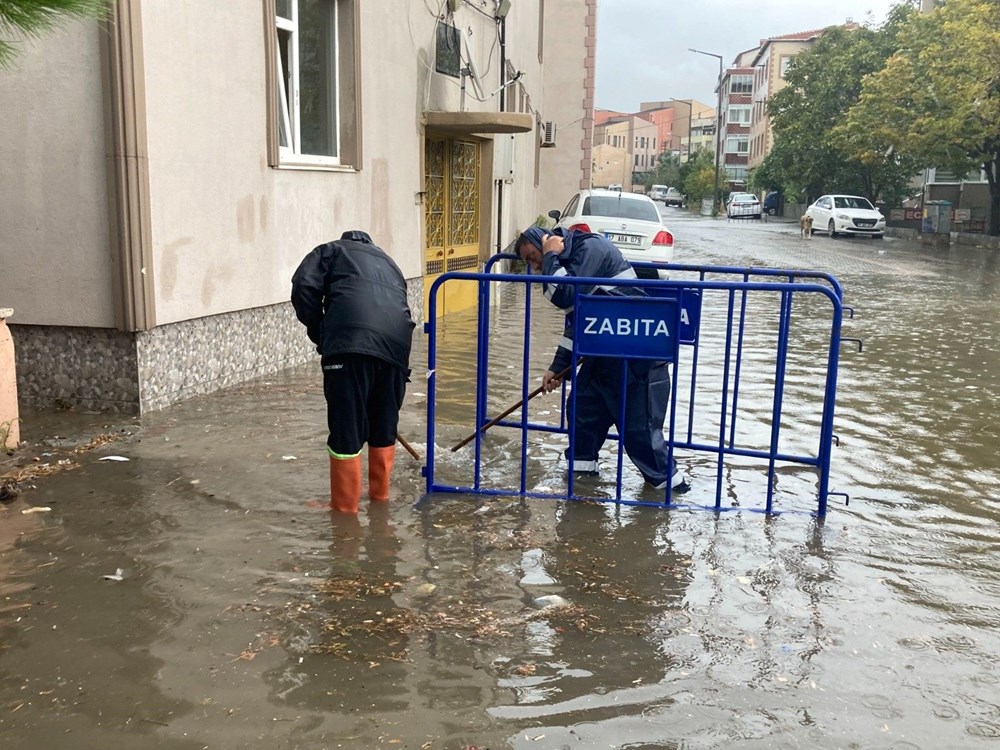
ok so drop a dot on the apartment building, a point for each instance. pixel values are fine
(675, 119)
(770, 64)
(635, 137)
(165, 173)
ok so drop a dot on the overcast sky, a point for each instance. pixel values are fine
(642, 45)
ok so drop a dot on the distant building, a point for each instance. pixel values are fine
(636, 137)
(736, 97)
(769, 64)
(674, 119)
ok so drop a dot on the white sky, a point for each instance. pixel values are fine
(642, 45)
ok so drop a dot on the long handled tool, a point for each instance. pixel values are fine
(409, 448)
(485, 427)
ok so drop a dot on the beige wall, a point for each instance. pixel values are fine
(226, 229)
(768, 82)
(611, 166)
(565, 168)
(54, 242)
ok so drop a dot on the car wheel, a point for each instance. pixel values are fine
(831, 230)
(879, 236)
(771, 211)
(757, 217)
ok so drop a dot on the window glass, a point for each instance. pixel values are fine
(620, 207)
(741, 84)
(852, 201)
(571, 206)
(308, 115)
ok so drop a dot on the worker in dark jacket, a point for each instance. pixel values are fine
(351, 297)
(599, 382)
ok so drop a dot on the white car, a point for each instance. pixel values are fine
(743, 206)
(630, 221)
(846, 214)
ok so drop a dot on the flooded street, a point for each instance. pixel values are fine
(245, 616)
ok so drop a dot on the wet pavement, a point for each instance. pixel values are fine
(200, 595)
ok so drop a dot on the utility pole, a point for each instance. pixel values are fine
(718, 127)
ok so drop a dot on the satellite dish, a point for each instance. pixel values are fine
(470, 70)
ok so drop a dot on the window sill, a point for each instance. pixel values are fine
(307, 166)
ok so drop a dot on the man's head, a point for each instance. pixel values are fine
(532, 245)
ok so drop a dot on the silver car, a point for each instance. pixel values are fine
(846, 214)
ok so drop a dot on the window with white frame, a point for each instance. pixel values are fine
(741, 84)
(737, 144)
(786, 60)
(308, 70)
(739, 114)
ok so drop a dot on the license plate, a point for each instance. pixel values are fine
(624, 239)
(865, 222)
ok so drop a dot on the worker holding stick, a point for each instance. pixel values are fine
(598, 384)
(351, 297)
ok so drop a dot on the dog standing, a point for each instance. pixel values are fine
(806, 225)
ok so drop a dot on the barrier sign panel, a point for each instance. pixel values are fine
(629, 327)
(690, 310)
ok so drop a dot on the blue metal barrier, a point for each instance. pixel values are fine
(667, 301)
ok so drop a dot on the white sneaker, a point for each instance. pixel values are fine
(678, 483)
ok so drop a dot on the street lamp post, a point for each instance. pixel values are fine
(718, 126)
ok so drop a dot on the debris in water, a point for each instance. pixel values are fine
(552, 600)
(113, 458)
(289, 458)
(37, 509)
(425, 589)
(118, 576)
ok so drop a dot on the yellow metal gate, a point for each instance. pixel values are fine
(451, 218)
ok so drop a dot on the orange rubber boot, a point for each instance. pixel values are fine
(345, 484)
(380, 462)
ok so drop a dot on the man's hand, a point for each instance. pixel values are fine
(552, 243)
(550, 382)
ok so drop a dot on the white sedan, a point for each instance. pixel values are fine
(846, 214)
(630, 221)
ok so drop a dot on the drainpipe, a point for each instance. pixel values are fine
(10, 433)
(503, 99)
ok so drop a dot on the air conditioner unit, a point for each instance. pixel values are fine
(548, 134)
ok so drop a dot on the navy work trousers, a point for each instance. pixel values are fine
(363, 397)
(598, 406)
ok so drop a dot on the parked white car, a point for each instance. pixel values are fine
(743, 206)
(846, 214)
(630, 221)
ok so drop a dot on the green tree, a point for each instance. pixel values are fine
(32, 18)
(697, 175)
(938, 97)
(824, 82)
(666, 172)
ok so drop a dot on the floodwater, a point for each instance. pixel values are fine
(245, 616)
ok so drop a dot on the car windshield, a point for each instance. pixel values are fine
(622, 208)
(852, 201)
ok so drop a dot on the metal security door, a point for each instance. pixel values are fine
(451, 202)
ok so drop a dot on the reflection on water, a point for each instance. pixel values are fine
(252, 618)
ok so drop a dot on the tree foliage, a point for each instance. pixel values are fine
(809, 158)
(937, 99)
(697, 175)
(666, 172)
(32, 18)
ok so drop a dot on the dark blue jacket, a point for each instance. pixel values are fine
(584, 254)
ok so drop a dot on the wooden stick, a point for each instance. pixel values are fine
(485, 427)
(409, 448)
